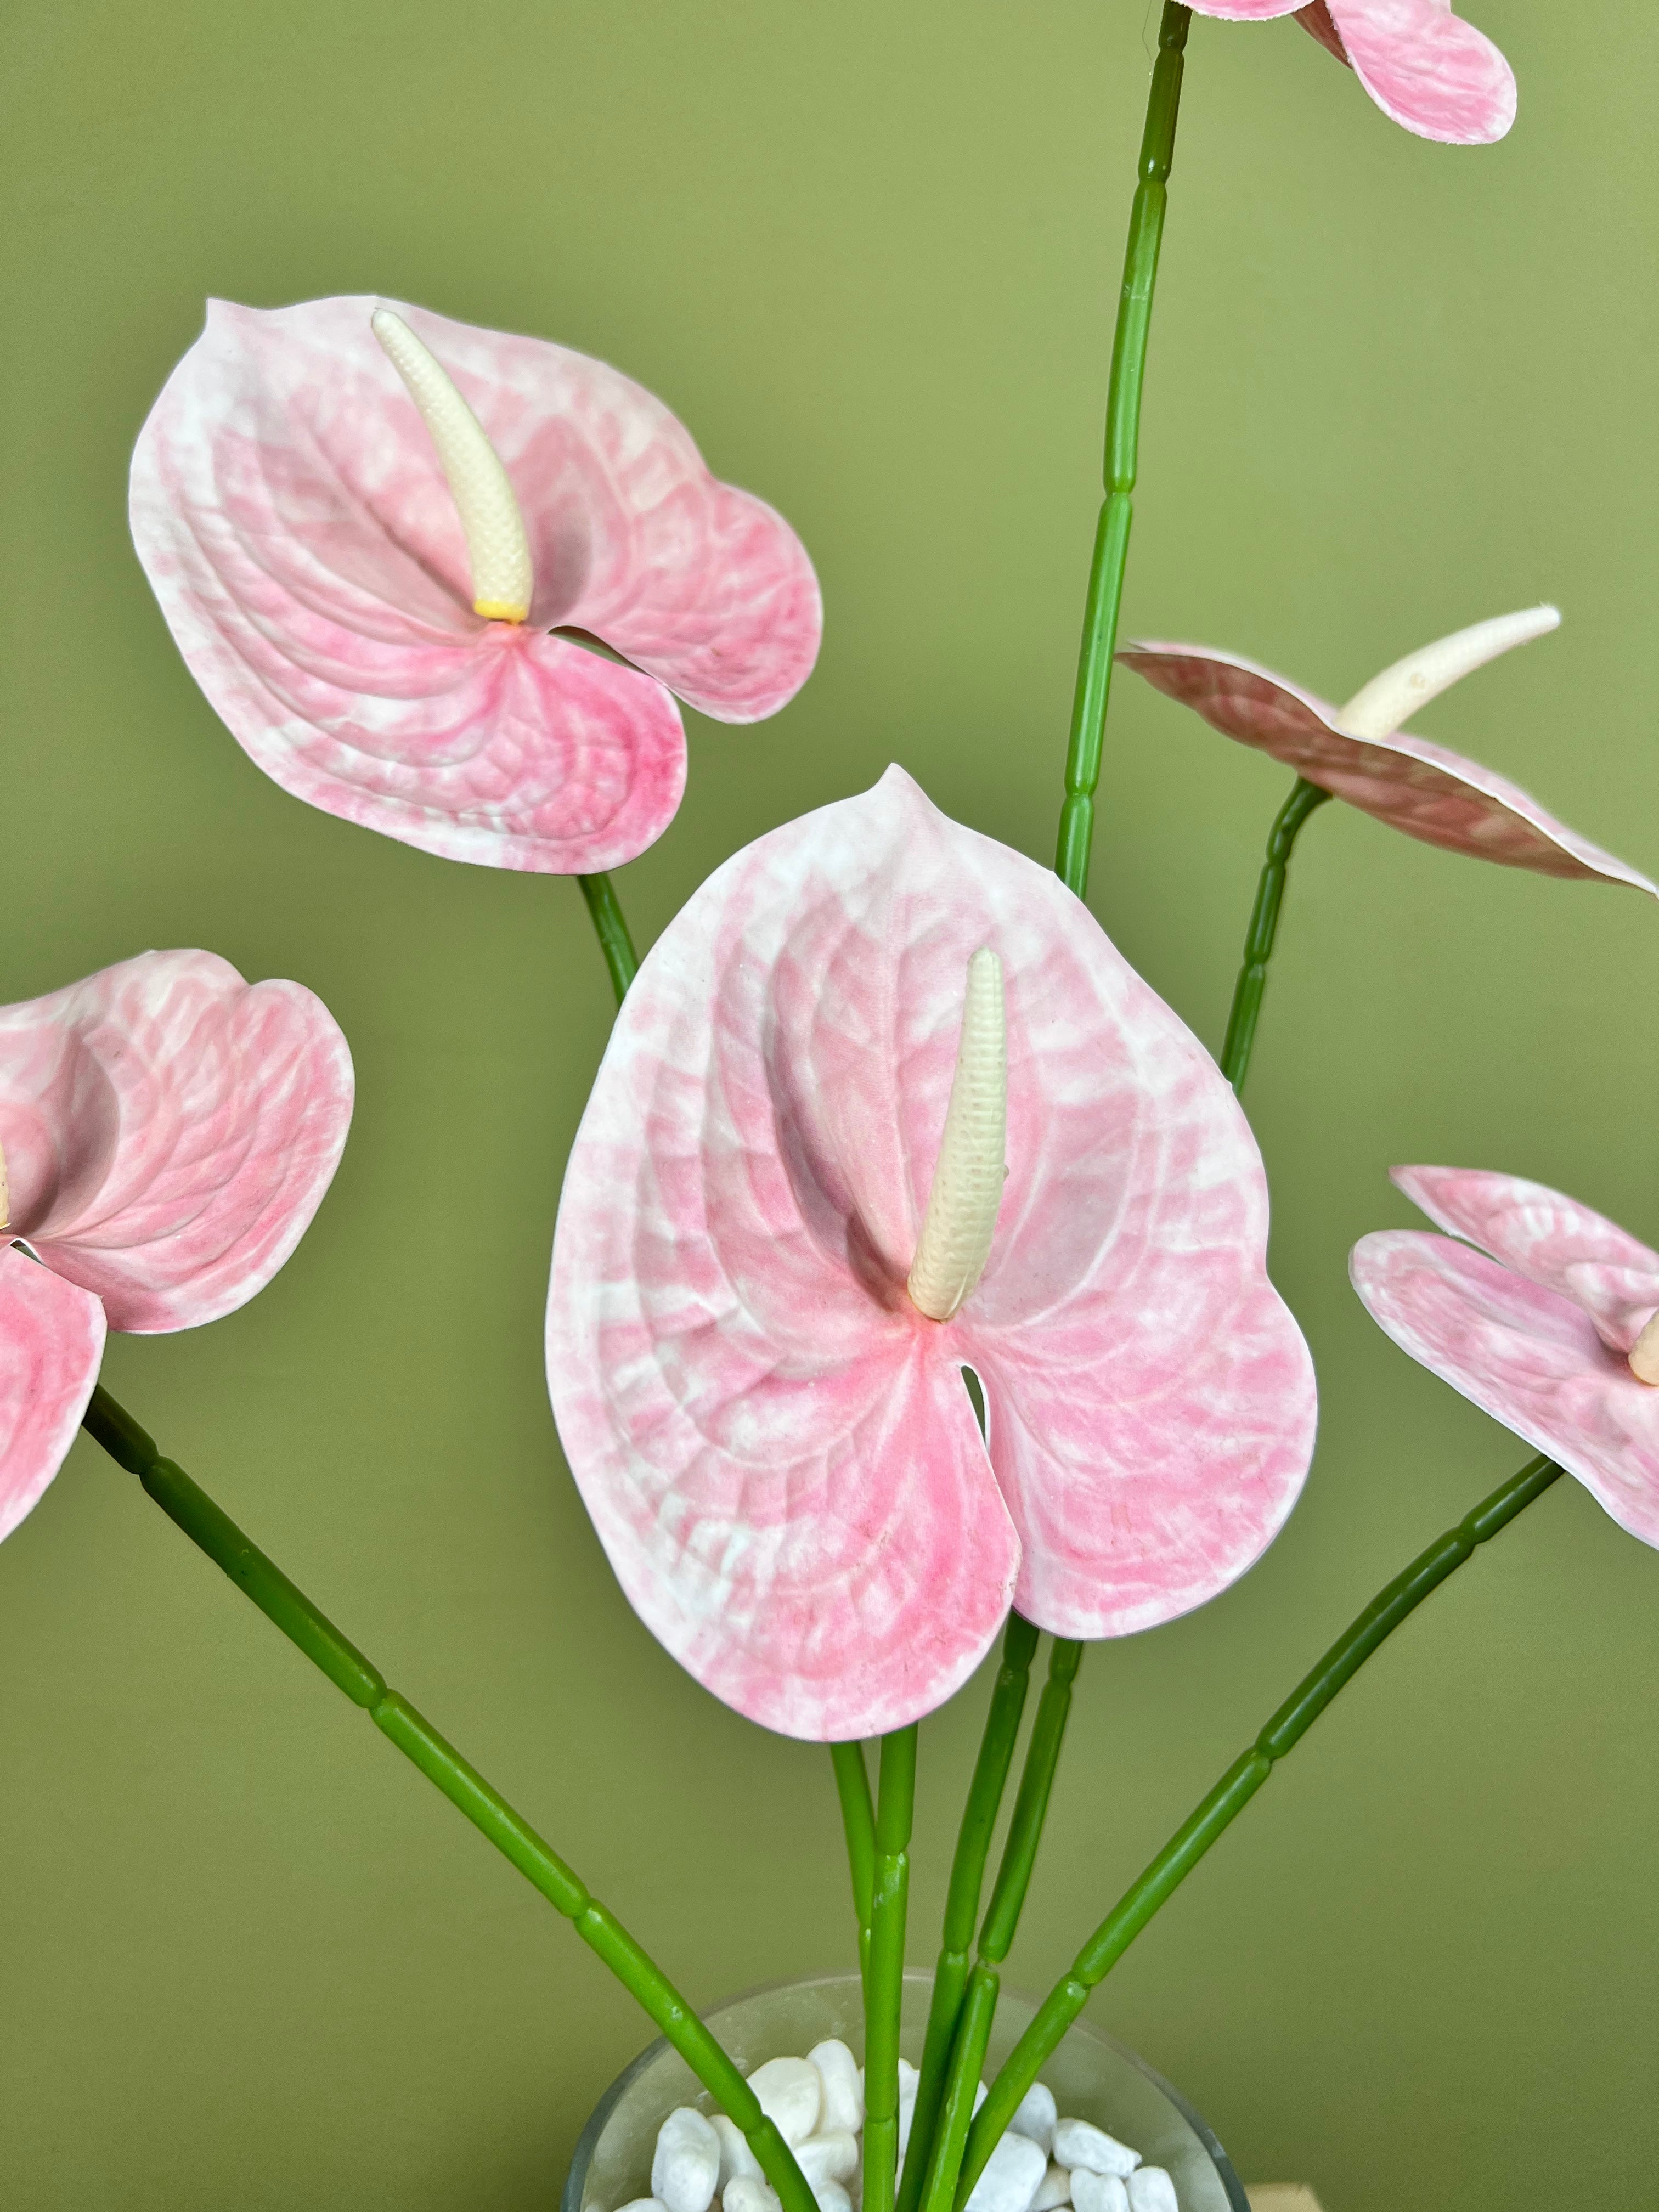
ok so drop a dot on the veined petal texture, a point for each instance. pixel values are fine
(169, 1132)
(776, 1447)
(296, 525)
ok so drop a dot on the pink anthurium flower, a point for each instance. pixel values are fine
(884, 1103)
(366, 525)
(167, 1133)
(1362, 753)
(1424, 66)
(1556, 1334)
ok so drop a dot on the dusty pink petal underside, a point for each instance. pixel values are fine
(291, 513)
(169, 1131)
(1409, 782)
(51, 1341)
(1428, 69)
(1524, 1354)
(776, 1448)
(1549, 1237)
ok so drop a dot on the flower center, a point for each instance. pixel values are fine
(496, 545)
(1388, 701)
(967, 1189)
(1645, 1354)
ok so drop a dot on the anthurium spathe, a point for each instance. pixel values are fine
(1363, 753)
(169, 1131)
(365, 522)
(1424, 66)
(786, 1230)
(1555, 1335)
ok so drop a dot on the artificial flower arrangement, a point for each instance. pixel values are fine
(908, 1288)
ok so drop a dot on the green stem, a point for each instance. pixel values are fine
(1001, 1919)
(859, 1819)
(1232, 1793)
(612, 929)
(301, 1621)
(996, 1755)
(895, 1798)
(1134, 316)
(1305, 798)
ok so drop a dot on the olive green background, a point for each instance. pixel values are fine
(869, 253)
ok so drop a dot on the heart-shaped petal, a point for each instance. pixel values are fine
(1526, 1355)
(773, 1443)
(1409, 782)
(52, 1344)
(293, 517)
(169, 1131)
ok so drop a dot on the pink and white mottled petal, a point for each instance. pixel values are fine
(743, 1202)
(51, 1345)
(292, 516)
(1548, 1238)
(1524, 1354)
(1409, 782)
(1245, 11)
(169, 1132)
(1427, 69)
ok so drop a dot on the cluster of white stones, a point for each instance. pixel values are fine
(1042, 2163)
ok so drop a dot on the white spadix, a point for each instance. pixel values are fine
(1645, 1354)
(496, 545)
(967, 1188)
(1388, 701)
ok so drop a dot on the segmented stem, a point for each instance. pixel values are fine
(1170, 1868)
(996, 1756)
(1134, 315)
(611, 930)
(1019, 1853)
(1305, 799)
(257, 1577)
(896, 1797)
(859, 1819)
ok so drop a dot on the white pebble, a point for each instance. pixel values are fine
(640, 2204)
(1013, 2174)
(687, 2164)
(1150, 2190)
(1036, 2117)
(1056, 2189)
(980, 2094)
(744, 2192)
(736, 2157)
(828, 2157)
(843, 2086)
(1076, 2143)
(791, 2094)
(832, 2197)
(1097, 2192)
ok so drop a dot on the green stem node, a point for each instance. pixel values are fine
(611, 927)
(1231, 1793)
(979, 1818)
(895, 1798)
(1134, 316)
(859, 1819)
(215, 1533)
(1305, 799)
